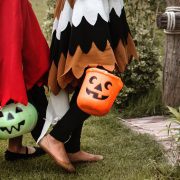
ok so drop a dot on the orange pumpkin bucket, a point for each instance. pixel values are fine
(98, 92)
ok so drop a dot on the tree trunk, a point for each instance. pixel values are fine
(171, 71)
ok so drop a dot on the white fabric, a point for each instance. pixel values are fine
(89, 9)
(57, 107)
(117, 5)
(64, 20)
(55, 24)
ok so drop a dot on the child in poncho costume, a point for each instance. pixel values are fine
(24, 63)
(86, 33)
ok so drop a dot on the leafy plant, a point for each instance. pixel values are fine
(147, 105)
(175, 114)
(141, 76)
(48, 22)
(174, 133)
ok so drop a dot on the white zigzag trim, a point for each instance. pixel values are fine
(55, 24)
(64, 19)
(90, 10)
(117, 5)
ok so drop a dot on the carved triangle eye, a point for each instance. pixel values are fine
(18, 110)
(10, 116)
(1, 114)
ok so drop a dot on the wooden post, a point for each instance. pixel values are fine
(162, 21)
(171, 70)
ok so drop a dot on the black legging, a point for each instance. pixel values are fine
(37, 97)
(68, 129)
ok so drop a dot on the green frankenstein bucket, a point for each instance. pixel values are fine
(16, 120)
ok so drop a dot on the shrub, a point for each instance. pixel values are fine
(47, 25)
(147, 105)
(141, 76)
(174, 133)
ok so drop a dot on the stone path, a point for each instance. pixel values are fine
(156, 126)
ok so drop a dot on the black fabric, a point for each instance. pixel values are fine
(74, 143)
(85, 34)
(60, 46)
(68, 129)
(119, 28)
(11, 156)
(37, 98)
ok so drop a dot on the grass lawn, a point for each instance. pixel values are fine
(127, 156)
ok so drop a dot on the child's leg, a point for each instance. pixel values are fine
(74, 143)
(37, 97)
(70, 126)
(69, 123)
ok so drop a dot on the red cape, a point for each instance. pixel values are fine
(24, 53)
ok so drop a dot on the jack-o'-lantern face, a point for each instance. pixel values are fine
(16, 120)
(99, 90)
